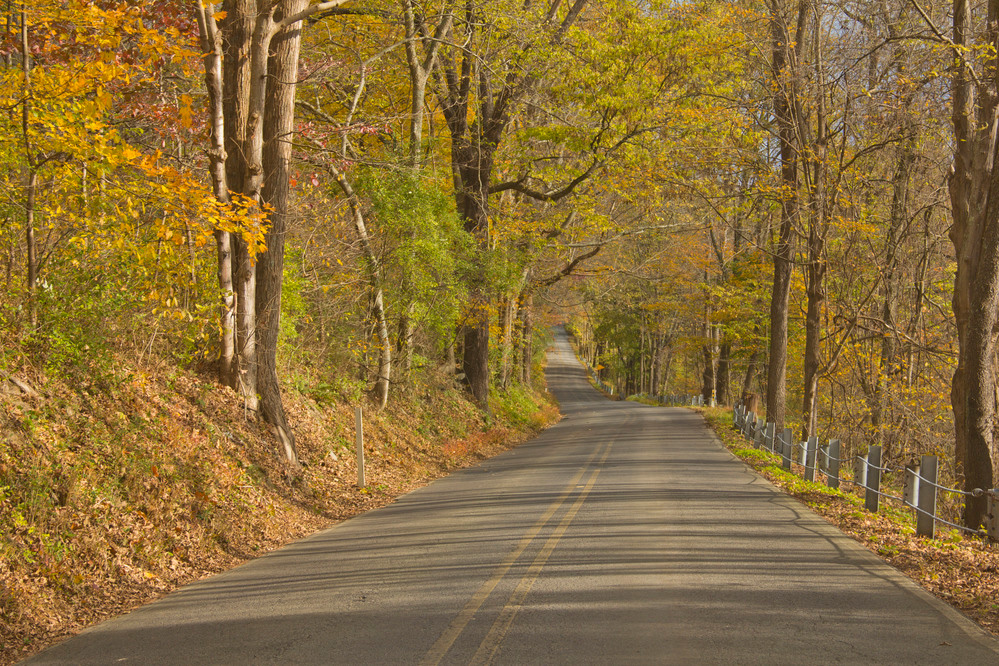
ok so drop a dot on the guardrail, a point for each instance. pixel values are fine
(680, 400)
(605, 387)
(920, 482)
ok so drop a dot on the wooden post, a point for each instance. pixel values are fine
(832, 468)
(872, 498)
(927, 497)
(810, 447)
(359, 443)
(768, 436)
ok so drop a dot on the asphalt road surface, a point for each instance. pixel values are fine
(624, 534)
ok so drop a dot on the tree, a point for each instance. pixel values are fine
(784, 72)
(260, 42)
(974, 194)
(479, 91)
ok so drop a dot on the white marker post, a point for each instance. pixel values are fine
(360, 446)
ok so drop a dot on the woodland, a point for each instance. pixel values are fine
(786, 203)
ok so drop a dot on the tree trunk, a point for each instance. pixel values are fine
(509, 316)
(528, 339)
(474, 164)
(785, 104)
(817, 231)
(31, 185)
(259, 99)
(211, 47)
(31, 191)
(404, 341)
(752, 370)
(722, 377)
(708, 375)
(974, 193)
(419, 71)
(237, 31)
(278, 129)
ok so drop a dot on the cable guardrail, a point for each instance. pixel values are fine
(920, 487)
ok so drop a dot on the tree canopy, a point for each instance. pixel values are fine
(789, 202)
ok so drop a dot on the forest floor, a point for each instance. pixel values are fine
(118, 489)
(962, 570)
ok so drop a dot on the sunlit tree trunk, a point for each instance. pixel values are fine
(785, 106)
(211, 48)
(974, 193)
(817, 231)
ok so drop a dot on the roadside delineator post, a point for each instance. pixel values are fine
(832, 463)
(860, 472)
(992, 516)
(926, 496)
(872, 498)
(910, 486)
(810, 447)
(359, 444)
(787, 446)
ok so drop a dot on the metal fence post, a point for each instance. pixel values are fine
(910, 487)
(927, 497)
(992, 517)
(860, 472)
(872, 498)
(787, 448)
(810, 446)
(832, 463)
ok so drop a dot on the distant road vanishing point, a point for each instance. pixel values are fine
(624, 534)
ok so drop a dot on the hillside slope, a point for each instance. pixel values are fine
(114, 491)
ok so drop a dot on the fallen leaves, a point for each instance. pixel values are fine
(962, 571)
(128, 509)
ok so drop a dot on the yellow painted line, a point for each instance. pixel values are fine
(487, 649)
(450, 635)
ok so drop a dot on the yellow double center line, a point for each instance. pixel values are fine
(502, 624)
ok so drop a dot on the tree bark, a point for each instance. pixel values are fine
(974, 193)
(752, 370)
(817, 232)
(31, 185)
(237, 31)
(785, 104)
(722, 377)
(211, 47)
(528, 339)
(275, 154)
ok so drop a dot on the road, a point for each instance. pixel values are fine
(624, 534)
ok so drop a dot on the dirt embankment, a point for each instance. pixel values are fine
(114, 492)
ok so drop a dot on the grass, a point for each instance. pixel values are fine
(110, 498)
(960, 570)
